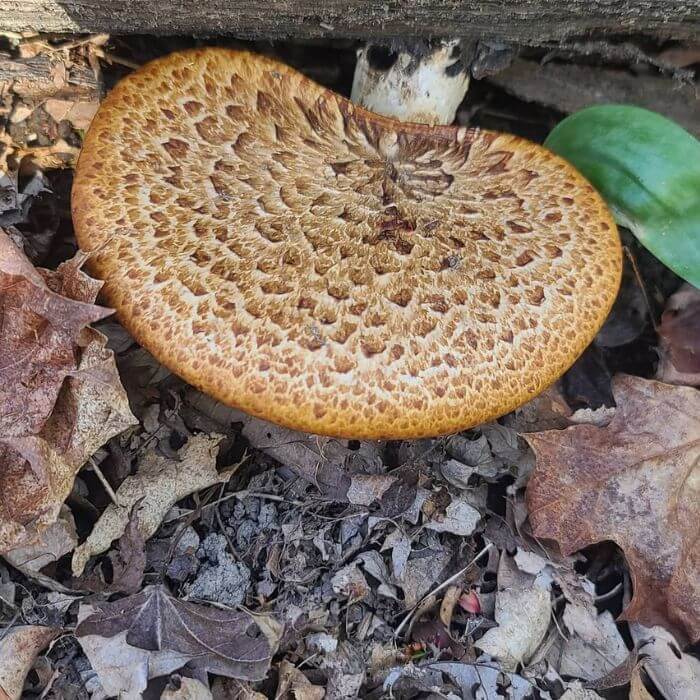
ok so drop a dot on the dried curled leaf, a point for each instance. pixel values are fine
(158, 484)
(57, 539)
(294, 684)
(60, 395)
(635, 482)
(223, 642)
(127, 563)
(19, 648)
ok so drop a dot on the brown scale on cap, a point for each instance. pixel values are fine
(330, 269)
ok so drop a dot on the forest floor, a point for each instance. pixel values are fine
(322, 568)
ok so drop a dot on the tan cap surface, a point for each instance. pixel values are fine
(329, 269)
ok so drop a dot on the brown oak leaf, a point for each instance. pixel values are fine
(60, 395)
(635, 482)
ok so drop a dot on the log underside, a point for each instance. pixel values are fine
(528, 22)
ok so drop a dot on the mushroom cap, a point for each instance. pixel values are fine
(323, 267)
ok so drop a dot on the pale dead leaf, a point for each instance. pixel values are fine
(60, 396)
(447, 606)
(576, 691)
(48, 547)
(460, 518)
(635, 482)
(350, 582)
(294, 685)
(594, 647)
(523, 611)
(19, 113)
(58, 539)
(365, 489)
(19, 648)
(57, 109)
(529, 562)
(482, 680)
(301, 451)
(183, 688)
(421, 571)
(676, 675)
(78, 113)
(400, 546)
(158, 484)
(373, 563)
(637, 689)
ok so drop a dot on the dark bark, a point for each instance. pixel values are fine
(569, 88)
(41, 77)
(519, 21)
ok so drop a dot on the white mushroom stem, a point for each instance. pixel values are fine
(426, 88)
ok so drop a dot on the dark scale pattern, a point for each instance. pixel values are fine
(330, 269)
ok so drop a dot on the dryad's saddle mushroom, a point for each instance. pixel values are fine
(330, 269)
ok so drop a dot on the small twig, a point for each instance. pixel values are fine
(245, 494)
(308, 658)
(642, 286)
(112, 58)
(96, 39)
(556, 624)
(610, 594)
(219, 520)
(104, 482)
(444, 584)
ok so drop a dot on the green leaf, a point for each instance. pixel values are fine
(647, 168)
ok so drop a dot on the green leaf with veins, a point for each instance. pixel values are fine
(647, 168)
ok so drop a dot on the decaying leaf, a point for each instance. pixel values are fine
(60, 395)
(340, 473)
(484, 679)
(637, 689)
(79, 114)
(594, 646)
(350, 582)
(19, 648)
(302, 452)
(158, 484)
(224, 642)
(183, 688)
(576, 691)
(460, 518)
(422, 569)
(635, 482)
(294, 685)
(674, 674)
(58, 539)
(124, 670)
(127, 563)
(523, 611)
(679, 338)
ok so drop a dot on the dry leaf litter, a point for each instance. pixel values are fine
(158, 544)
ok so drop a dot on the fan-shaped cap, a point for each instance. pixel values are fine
(329, 269)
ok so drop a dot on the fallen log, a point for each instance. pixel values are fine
(528, 22)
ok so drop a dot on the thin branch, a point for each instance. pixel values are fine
(103, 480)
(444, 584)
